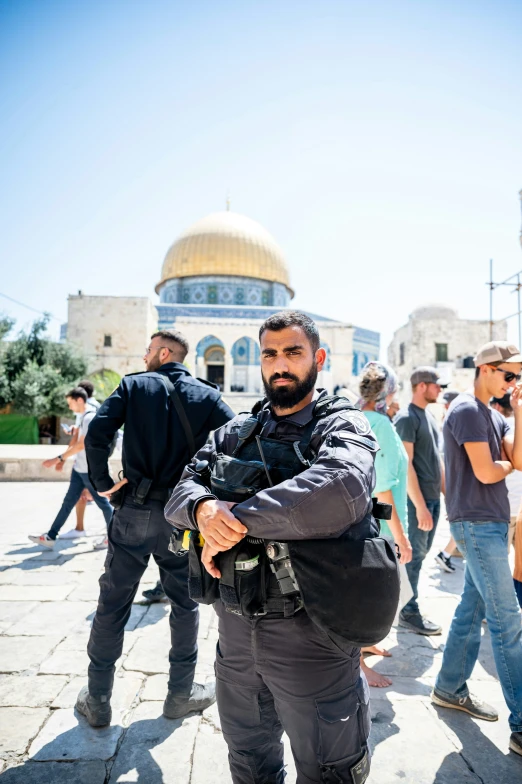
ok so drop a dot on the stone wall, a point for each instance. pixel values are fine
(126, 322)
(414, 344)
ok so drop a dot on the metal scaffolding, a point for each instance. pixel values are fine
(514, 282)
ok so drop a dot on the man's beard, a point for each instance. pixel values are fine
(153, 363)
(286, 396)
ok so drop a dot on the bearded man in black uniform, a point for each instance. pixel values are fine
(278, 670)
(168, 415)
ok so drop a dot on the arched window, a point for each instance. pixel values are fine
(245, 351)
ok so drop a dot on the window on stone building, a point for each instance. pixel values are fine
(107, 341)
(441, 352)
(402, 354)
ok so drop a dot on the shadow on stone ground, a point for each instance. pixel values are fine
(134, 757)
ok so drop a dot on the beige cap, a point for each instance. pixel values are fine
(497, 351)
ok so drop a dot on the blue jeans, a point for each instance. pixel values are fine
(421, 542)
(488, 593)
(72, 496)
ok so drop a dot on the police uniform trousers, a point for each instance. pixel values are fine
(135, 533)
(275, 673)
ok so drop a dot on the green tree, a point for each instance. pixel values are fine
(6, 325)
(36, 372)
(105, 382)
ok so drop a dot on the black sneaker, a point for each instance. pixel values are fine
(444, 562)
(468, 704)
(515, 742)
(200, 697)
(97, 710)
(156, 594)
(418, 624)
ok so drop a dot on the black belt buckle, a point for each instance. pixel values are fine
(361, 770)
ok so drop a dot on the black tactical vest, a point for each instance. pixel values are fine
(349, 586)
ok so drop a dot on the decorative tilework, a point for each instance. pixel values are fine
(245, 351)
(224, 290)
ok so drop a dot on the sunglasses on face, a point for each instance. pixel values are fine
(508, 374)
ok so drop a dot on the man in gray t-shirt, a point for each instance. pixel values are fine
(420, 435)
(480, 452)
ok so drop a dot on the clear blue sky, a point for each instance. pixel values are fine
(379, 142)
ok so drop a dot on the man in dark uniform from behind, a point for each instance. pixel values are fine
(155, 450)
(280, 671)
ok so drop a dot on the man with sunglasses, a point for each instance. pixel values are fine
(167, 416)
(480, 451)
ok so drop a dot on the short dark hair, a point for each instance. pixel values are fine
(78, 393)
(491, 364)
(88, 386)
(292, 318)
(175, 337)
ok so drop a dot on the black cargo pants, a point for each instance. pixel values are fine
(275, 674)
(135, 533)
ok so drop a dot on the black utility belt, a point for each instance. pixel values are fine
(140, 494)
(251, 572)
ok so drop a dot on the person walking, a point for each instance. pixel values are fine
(275, 668)
(167, 414)
(419, 433)
(77, 402)
(443, 557)
(79, 531)
(377, 387)
(480, 452)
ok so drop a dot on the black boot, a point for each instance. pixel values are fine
(156, 594)
(200, 697)
(97, 710)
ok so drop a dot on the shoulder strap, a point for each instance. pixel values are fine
(182, 414)
(330, 404)
(247, 432)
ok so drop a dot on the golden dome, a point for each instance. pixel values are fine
(226, 243)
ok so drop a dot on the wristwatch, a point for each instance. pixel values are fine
(60, 458)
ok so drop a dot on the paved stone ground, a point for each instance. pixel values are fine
(47, 600)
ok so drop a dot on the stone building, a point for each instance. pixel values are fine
(435, 335)
(219, 281)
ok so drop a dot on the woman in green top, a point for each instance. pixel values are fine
(377, 387)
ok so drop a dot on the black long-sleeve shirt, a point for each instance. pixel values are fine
(154, 442)
(322, 501)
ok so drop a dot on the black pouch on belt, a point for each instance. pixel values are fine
(203, 588)
(243, 583)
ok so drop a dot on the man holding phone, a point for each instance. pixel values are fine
(77, 402)
(480, 451)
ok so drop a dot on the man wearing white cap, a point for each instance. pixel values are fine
(480, 451)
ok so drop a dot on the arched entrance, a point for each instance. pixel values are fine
(210, 353)
(215, 362)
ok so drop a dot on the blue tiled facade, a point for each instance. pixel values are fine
(224, 290)
(366, 348)
(245, 351)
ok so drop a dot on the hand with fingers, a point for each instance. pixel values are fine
(516, 399)
(114, 488)
(220, 530)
